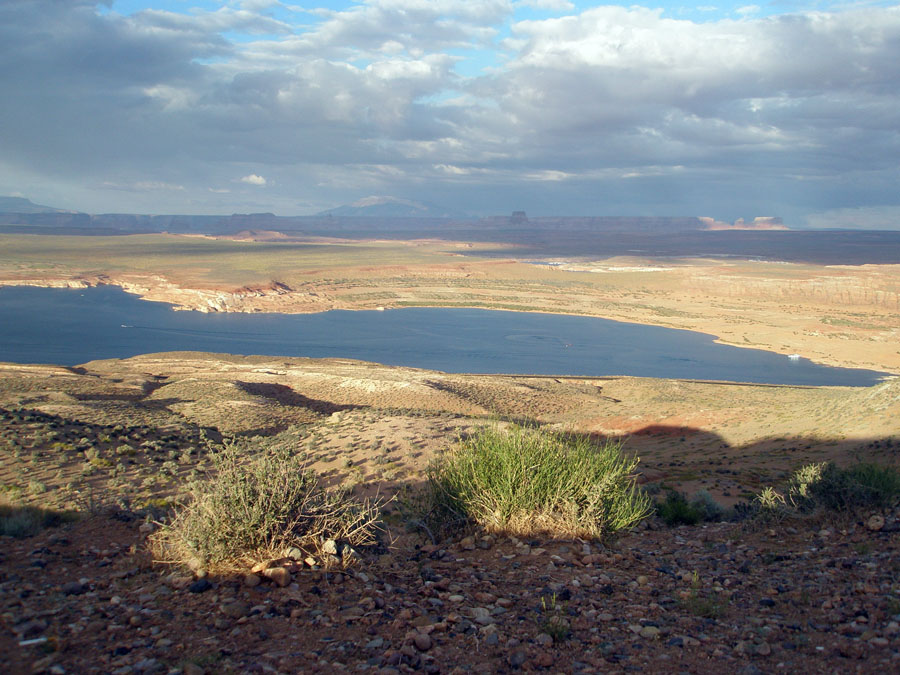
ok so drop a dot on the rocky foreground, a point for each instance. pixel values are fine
(809, 596)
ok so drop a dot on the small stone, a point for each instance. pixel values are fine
(650, 632)
(517, 658)
(642, 580)
(279, 575)
(235, 609)
(763, 649)
(200, 586)
(146, 528)
(422, 642)
(293, 553)
(375, 643)
(252, 580)
(544, 640)
(191, 668)
(136, 620)
(73, 588)
(875, 523)
(543, 659)
(492, 640)
(330, 547)
(467, 543)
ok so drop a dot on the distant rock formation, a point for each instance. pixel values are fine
(759, 223)
(392, 207)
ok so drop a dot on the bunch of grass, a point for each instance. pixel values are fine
(524, 481)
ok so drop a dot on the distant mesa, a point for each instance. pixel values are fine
(392, 207)
(517, 218)
(758, 223)
(22, 205)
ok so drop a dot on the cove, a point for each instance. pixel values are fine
(70, 327)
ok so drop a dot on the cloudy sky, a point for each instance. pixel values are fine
(789, 108)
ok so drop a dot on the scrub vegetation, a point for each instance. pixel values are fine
(518, 480)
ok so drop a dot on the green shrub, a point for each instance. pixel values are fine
(825, 485)
(256, 508)
(524, 481)
(26, 521)
(677, 510)
(858, 486)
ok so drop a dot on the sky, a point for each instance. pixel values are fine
(789, 108)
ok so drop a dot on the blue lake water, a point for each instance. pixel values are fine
(69, 327)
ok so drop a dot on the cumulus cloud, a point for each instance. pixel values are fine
(253, 179)
(557, 5)
(792, 114)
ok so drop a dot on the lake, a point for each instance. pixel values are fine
(69, 327)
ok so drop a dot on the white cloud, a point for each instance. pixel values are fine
(253, 179)
(554, 5)
(367, 100)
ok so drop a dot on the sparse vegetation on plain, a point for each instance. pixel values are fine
(141, 428)
(523, 481)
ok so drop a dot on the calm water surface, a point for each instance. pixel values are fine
(70, 327)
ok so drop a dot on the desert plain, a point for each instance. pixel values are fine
(814, 595)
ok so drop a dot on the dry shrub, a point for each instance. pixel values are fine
(254, 509)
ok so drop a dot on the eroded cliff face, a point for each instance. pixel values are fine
(274, 297)
(873, 290)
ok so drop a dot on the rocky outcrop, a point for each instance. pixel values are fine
(826, 290)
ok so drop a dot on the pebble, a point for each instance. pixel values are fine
(235, 609)
(73, 588)
(422, 641)
(875, 523)
(200, 586)
(280, 575)
(517, 658)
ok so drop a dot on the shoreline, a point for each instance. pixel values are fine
(157, 289)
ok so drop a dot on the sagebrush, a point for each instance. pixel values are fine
(255, 508)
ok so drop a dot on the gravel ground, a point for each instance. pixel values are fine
(810, 596)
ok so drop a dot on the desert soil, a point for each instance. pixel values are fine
(119, 440)
(810, 597)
